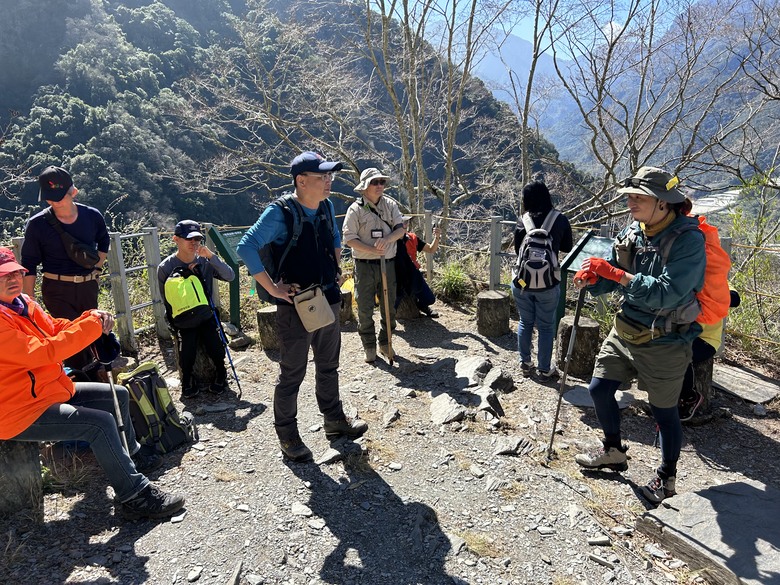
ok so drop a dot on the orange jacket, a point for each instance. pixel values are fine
(31, 373)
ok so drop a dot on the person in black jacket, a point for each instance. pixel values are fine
(537, 303)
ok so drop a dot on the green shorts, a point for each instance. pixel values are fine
(658, 367)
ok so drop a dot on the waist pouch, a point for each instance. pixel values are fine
(313, 309)
(633, 332)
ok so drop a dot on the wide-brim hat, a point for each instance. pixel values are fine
(367, 176)
(654, 182)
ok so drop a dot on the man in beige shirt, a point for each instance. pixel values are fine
(372, 226)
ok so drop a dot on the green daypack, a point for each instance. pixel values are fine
(155, 418)
(186, 299)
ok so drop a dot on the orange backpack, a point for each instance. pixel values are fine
(714, 297)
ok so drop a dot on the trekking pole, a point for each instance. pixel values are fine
(388, 321)
(120, 423)
(223, 337)
(567, 361)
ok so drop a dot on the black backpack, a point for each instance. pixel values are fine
(155, 419)
(272, 255)
(537, 266)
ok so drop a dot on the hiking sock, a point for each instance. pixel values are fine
(610, 441)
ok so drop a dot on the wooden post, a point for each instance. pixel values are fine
(152, 252)
(494, 278)
(21, 483)
(124, 314)
(492, 313)
(702, 383)
(428, 233)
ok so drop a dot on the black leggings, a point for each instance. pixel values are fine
(212, 343)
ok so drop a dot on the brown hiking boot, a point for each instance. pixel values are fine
(351, 427)
(611, 458)
(295, 449)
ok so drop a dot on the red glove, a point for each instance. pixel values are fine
(605, 270)
(586, 275)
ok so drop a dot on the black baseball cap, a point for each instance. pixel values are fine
(55, 182)
(187, 229)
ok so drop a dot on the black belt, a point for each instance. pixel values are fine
(368, 261)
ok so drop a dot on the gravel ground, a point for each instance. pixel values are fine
(411, 502)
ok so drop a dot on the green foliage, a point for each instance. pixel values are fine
(452, 284)
(755, 271)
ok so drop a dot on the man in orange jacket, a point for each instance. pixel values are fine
(38, 402)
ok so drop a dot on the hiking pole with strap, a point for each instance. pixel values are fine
(388, 320)
(223, 337)
(567, 361)
(120, 423)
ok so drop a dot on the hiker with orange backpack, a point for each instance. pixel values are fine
(653, 331)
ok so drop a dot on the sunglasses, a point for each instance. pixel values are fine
(634, 182)
(375, 182)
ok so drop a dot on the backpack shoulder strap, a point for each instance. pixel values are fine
(549, 221)
(290, 206)
(528, 223)
(668, 240)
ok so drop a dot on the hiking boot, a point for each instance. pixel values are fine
(428, 312)
(370, 355)
(688, 406)
(151, 502)
(351, 427)
(295, 449)
(386, 352)
(611, 458)
(527, 368)
(190, 391)
(218, 387)
(146, 459)
(550, 374)
(657, 489)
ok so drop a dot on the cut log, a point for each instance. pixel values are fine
(266, 327)
(702, 383)
(21, 483)
(492, 313)
(346, 306)
(586, 345)
(407, 309)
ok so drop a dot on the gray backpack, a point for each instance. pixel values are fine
(537, 266)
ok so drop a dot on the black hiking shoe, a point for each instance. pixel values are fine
(146, 459)
(295, 449)
(604, 458)
(527, 368)
(657, 489)
(428, 312)
(151, 502)
(218, 387)
(688, 406)
(351, 427)
(190, 391)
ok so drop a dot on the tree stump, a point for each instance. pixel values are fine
(492, 313)
(266, 327)
(407, 309)
(586, 345)
(346, 306)
(702, 383)
(21, 483)
(203, 371)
